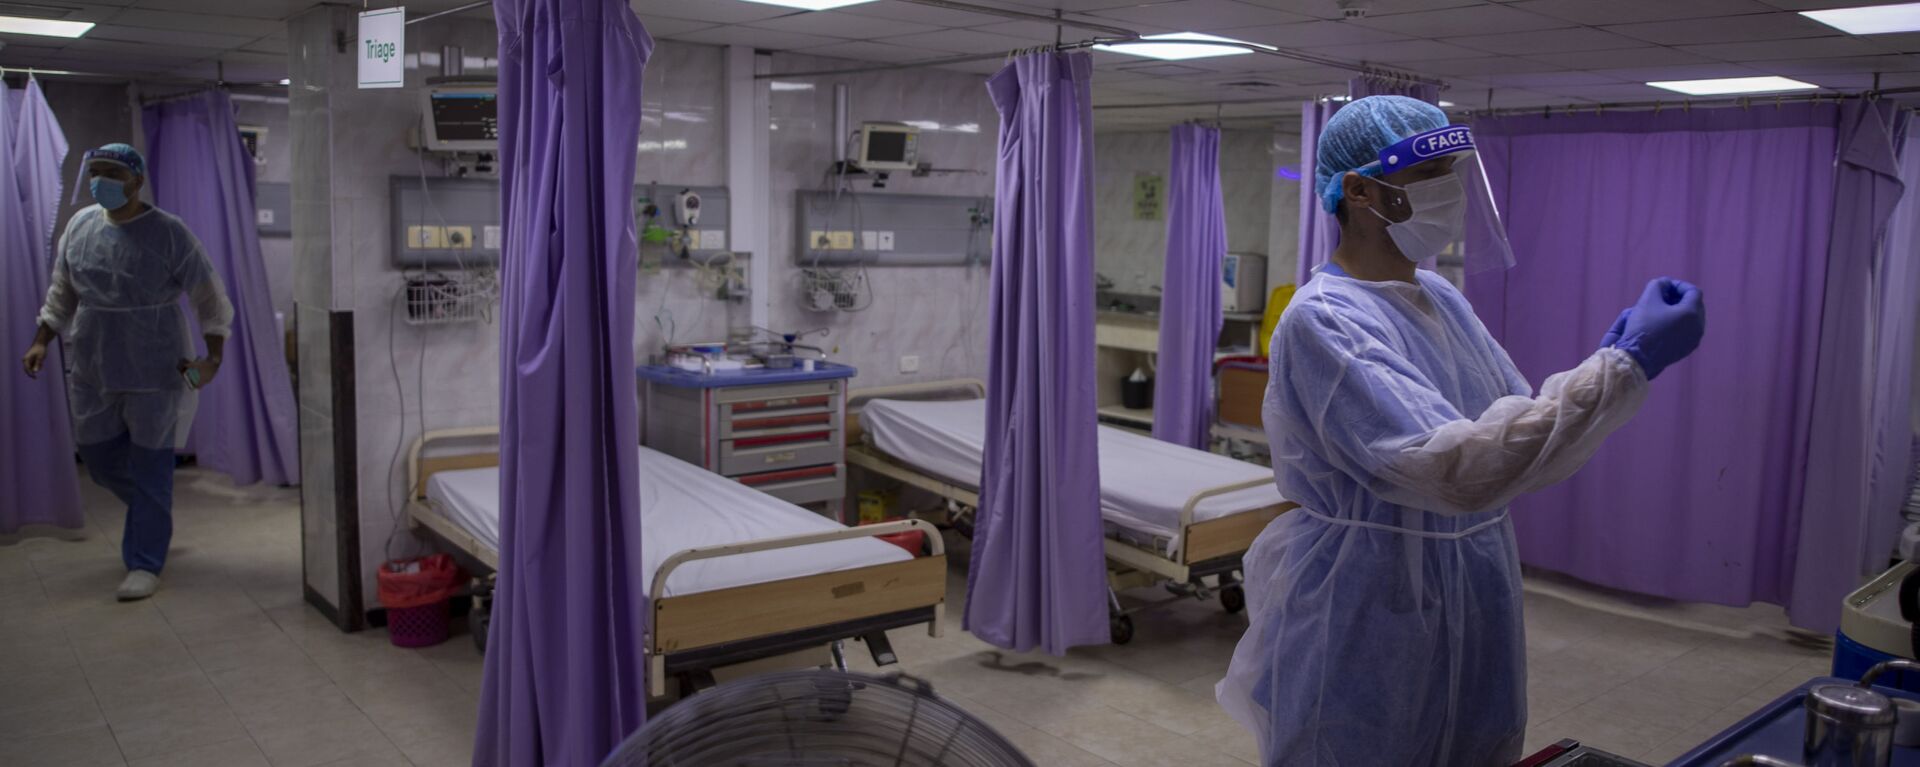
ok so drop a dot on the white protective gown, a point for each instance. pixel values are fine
(1385, 612)
(115, 299)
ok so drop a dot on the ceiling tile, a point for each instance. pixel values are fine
(1033, 31)
(1900, 42)
(1390, 52)
(1651, 56)
(981, 67)
(1547, 80)
(1614, 93)
(960, 41)
(866, 51)
(1729, 29)
(1603, 12)
(1065, 5)
(708, 10)
(663, 27)
(1682, 72)
(1546, 41)
(193, 22)
(1200, 15)
(1314, 33)
(1454, 22)
(758, 38)
(209, 41)
(1809, 5)
(1866, 65)
(256, 9)
(1805, 48)
(830, 24)
(920, 14)
(1492, 65)
(1330, 9)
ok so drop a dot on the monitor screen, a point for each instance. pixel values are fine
(886, 146)
(468, 116)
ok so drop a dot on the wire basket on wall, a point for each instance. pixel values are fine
(446, 299)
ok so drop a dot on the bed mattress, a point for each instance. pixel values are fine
(682, 507)
(1144, 482)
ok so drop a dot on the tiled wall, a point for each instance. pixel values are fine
(1132, 252)
(937, 313)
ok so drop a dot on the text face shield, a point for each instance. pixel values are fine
(1482, 242)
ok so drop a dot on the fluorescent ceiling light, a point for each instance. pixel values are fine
(783, 85)
(1721, 86)
(1874, 20)
(811, 5)
(1445, 104)
(1204, 47)
(286, 81)
(15, 25)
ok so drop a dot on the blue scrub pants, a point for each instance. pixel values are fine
(142, 478)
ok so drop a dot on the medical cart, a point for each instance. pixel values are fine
(778, 430)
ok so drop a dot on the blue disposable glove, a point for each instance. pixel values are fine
(1619, 327)
(1665, 326)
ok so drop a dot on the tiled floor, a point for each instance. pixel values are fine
(226, 666)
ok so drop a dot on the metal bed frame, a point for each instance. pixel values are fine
(1212, 548)
(693, 634)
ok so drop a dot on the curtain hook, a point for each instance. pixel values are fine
(1656, 106)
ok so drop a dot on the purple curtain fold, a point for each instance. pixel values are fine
(1190, 301)
(1319, 230)
(1843, 537)
(1038, 575)
(565, 680)
(1898, 280)
(38, 482)
(198, 170)
(1704, 496)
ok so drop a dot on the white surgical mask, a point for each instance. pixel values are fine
(1439, 217)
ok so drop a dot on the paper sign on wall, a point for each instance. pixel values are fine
(1149, 194)
(383, 48)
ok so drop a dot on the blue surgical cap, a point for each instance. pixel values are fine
(119, 154)
(1355, 135)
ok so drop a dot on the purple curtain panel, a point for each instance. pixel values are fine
(565, 679)
(1190, 299)
(246, 426)
(1038, 575)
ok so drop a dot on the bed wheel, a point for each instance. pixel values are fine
(480, 616)
(1233, 599)
(478, 620)
(1121, 627)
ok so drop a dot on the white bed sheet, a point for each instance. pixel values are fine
(682, 507)
(1144, 482)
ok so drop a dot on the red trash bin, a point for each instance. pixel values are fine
(415, 593)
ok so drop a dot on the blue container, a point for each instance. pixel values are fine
(1851, 660)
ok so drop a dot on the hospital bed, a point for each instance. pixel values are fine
(1172, 514)
(735, 575)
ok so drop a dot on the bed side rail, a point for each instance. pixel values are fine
(658, 589)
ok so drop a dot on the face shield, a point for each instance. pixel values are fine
(1480, 243)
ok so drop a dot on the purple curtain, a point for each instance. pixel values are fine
(1897, 281)
(1038, 576)
(1702, 496)
(1190, 302)
(38, 482)
(1319, 230)
(565, 679)
(198, 170)
(1844, 538)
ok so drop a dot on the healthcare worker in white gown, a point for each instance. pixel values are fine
(132, 376)
(1386, 611)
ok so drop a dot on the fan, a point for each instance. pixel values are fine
(816, 719)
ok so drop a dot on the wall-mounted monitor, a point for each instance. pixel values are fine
(889, 146)
(461, 119)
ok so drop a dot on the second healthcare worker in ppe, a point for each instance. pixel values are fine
(121, 269)
(1385, 612)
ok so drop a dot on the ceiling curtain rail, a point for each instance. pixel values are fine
(1744, 102)
(1350, 66)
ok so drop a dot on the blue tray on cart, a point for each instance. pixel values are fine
(1778, 729)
